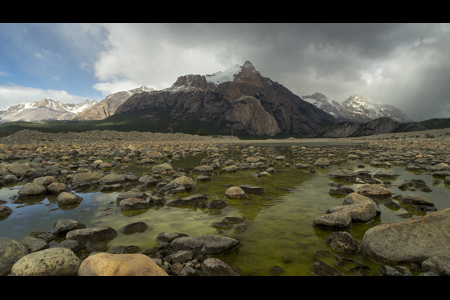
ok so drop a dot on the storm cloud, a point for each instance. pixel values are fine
(406, 65)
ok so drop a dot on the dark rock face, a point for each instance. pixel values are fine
(250, 104)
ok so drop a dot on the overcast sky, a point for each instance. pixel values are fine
(406, 65)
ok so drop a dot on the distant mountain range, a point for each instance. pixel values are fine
(48, 109)
(45, 109)
(357, 109)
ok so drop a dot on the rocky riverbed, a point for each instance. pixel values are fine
(140, 173)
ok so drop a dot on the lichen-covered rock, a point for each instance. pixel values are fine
(56, 261)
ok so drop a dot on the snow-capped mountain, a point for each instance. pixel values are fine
(44, 109)
(108, 106)
(356, 109)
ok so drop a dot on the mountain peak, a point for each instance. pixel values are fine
(248, 67)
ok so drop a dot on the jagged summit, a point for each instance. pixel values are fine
(248, 67)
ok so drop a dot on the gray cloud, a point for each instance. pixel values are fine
(401, 64)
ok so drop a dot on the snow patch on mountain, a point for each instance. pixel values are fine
(227, 75)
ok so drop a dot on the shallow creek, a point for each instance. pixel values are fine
(279, 232)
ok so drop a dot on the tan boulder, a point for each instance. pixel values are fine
(235, 192)
(107, 264)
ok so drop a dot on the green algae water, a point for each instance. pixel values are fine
(278, 230)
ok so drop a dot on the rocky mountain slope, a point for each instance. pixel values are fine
(377, 126)
(238, 100)
(357, 109)
(45, 109)
(107, 107)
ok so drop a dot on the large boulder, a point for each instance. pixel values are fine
(107, 264)
(409, 241)
(205, 244)
(56, 261)
(10, 252)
